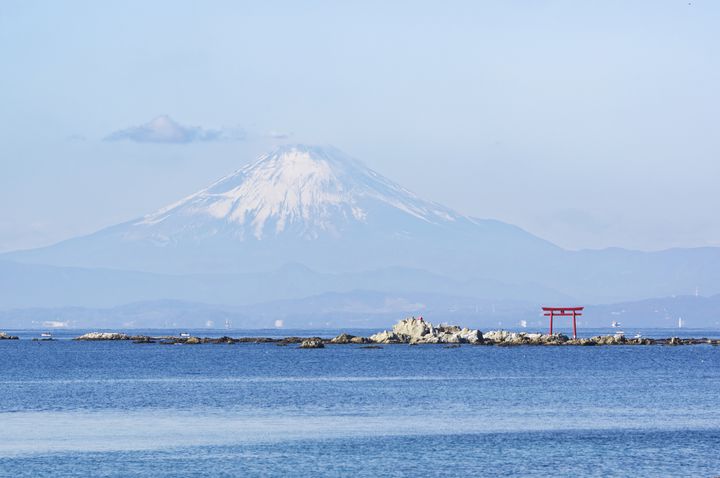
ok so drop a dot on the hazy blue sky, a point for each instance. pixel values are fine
(591, 124)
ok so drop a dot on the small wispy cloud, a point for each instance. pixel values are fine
(164, 129)
(279, 135)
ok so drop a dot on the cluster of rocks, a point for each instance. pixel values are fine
(6, 336)
(409, 331)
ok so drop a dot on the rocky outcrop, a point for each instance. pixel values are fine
(505, 338)
(104, 336)
(292, 340)
(6, 336)
(417, 331)
(349, 339)
(409, 331)
(385, 337)
(144, 340)
(312, 343)
(609, 340)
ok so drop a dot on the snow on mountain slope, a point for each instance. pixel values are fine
(314, 190)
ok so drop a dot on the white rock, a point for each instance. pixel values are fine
(416, 331)
(384, 337)
(103, 336)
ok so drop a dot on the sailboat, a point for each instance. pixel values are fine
(615, 324)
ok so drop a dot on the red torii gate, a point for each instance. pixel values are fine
(573, 312)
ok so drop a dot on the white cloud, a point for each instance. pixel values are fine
(279, 135)
(164, 129)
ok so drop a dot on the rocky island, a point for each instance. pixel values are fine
(410, 331)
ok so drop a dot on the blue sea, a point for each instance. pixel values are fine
(118, 409)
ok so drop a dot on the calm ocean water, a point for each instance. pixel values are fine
(121, 409)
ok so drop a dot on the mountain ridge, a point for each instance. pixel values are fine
(319, 207)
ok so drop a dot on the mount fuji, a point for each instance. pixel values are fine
(298, 204)
(319, 211)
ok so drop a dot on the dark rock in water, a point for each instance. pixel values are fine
(312, 343)
(292, 340)
(453, 346)
(218, 340)
(641, 341)
(264, 340)
(370, 347)
(249, 340)
(221, 340)
(5, 336)
(144, 340)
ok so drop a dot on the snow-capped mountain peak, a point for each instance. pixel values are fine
(310, 190)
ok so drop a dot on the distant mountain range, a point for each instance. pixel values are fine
(306, 222)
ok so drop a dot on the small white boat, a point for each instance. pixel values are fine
(619, 333)
(638, 336)
(46, 335)
(184, 335)
(615, 324)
